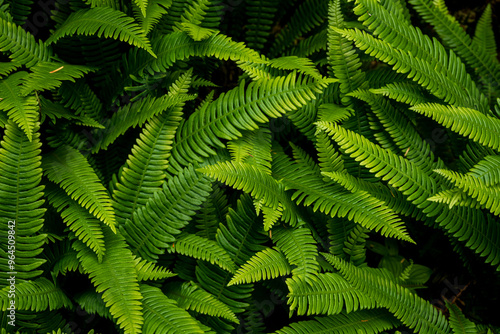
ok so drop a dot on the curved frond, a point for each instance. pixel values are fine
(103, 21)
(23, 110)
(332, 200)
(467, 122)
(115, 277)
(191, 297)
(240, 109)
(373, 322)
(484, 36)
(300, 249)
(38, 295)
(204, 249)
(152, 227)
(22, 46)
(410, 309)
(453, 35)
(162, 315)
(69, 168)
(266, 264)
(21, 211)
(330, 294)
(458, 322)
(85, 226)
(147, 271)
(49, 75)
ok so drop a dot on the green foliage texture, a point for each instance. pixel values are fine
(208, 166)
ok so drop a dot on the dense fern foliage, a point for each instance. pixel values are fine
(207, 166)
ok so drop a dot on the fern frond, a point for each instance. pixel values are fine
(467, 122)
(191, 297)
(484, 36)
(38, 295)
(410, 309)
(22, 46)
(344, 62)
(262, 187)
(331, 200)
(145, 170)
(179, 46)
(453, 35)
(458, 322)
(49, 75)
(404, 135)
(115, 277)
(91, 302)
(300, 249)
(240, 109)
(152, 227)
(137, 113)
(212, 213)
(405, 92)
(260, 15)
(23, 110)
(398, 171)
(241, 236)
(21, 203)
(330, 294)
(449, 81)
(254, 148)
(81, 98)
(69, 168)
(373, 322)
(155, 9)
(85, 226)
(147, 271)
(162, 315)
(266, 264)
(487, 170)
(103, 21)
(204, 249)
(56, 110)
(488, 196)
(309, 15)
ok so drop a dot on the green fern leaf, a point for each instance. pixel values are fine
(115, 277)
(452, 33)
(191, 297)
(458, 322)
(21, 203)
(330, 294)
(487, 196)
(153, 226)
(49, 75)
(410, 309)
(69, 168)
(484, 36)
(22, 46)
(266, 264)
(103, 21)
(240, 109)
(38, 295)
(300, 249)
(162, 315)
(145, 169)
(23, 110)
(149, 271)
(204, 249)
(85, 226)
(137, 113)
(487, 170)
(372, 322)
(332, 200)
(467, 122)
